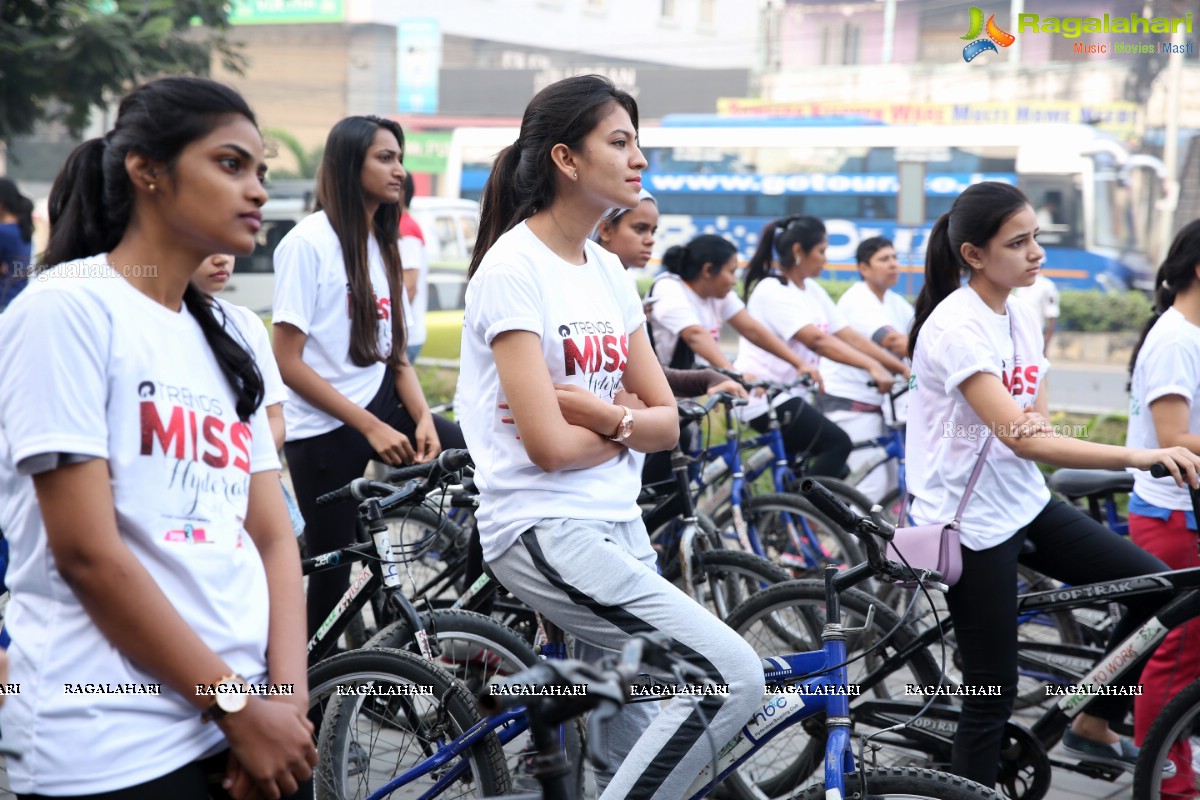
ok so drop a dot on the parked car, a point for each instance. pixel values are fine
(444, 319)
(449, 226)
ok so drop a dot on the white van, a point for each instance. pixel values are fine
(449, 225)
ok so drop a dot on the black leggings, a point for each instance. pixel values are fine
(1071, 547)
(808, 434)
(199, 780)
(329, 461)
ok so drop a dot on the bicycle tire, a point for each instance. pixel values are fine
(732, 576)
(906, 782)
(1174, 736)
(792, 616)
(765, 512)
(346, 768)
(474, 648)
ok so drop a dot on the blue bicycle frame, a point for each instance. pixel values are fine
(800, 686)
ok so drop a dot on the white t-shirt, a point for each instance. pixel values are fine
(414, 256)
(1042, 296)
(784, 309)
(249, 330)
(584, 316)
(678, 307)
(93, 367)
(312, 293)
(872, 318)
(1168, 363)
(961, 338)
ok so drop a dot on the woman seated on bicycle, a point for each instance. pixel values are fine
(554, 333)
(152, 552)
(872, 309)
(694, 297)
(787, 300)
(1163, 411)
(978, 371)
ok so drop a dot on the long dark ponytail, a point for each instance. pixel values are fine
(1177, 272)
(340, 196)
(522, 179)
(92, 199)
(19, 206)
(976, 216)
(777, 240)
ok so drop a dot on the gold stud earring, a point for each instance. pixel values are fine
(152, 187)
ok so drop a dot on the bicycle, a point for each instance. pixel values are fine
(1025, 769)
(819, 677)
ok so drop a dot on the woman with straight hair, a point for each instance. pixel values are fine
(155, 579)
(782, 294)
(554, 341)
(339, 340)
(16, 241)
(1163, 411)
(979, 373)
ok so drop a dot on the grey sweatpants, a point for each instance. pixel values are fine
(598, 581)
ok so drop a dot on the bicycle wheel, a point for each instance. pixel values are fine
(1174, 737)
(473, 648)
(779, 520)
(731, 577)
(906, 783)
(789, 618)
(387, 711)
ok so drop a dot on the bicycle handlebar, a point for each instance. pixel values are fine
(772, 388)
(866, 529)
(448, 462)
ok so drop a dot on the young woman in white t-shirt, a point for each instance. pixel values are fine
(554, 337)
(1163, 411)
(339, 339)
(151, 550)
(978, 370)
(783, 295)
(872, 309)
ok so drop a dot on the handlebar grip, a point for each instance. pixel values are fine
(1158, 471)
(403, 474)
(454, 460)
(827, 503)
(336, 496)
(538, 676)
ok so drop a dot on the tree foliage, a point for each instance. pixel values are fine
(61, 58)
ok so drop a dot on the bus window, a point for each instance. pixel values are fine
(1055, 203)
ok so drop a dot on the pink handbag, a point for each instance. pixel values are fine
(936, 546)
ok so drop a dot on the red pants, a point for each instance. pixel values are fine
(1176, 662)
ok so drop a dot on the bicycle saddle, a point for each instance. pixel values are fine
(1084, 482)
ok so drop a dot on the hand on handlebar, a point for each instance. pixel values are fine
(883, 379)
(1180, 463)
(729, 386)
(814, 375)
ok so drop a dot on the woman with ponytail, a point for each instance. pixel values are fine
(783, 295)
(979, 372)
(1164, 411)
(554, 342)
(339, 314)
(16, 241)
(154, 571)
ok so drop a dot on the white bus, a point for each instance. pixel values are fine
(731, 176)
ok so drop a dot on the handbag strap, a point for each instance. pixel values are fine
(962, 504)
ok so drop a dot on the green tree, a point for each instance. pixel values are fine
(307, 161)
(61, 58)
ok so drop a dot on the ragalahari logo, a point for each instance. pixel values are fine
(995, 36)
